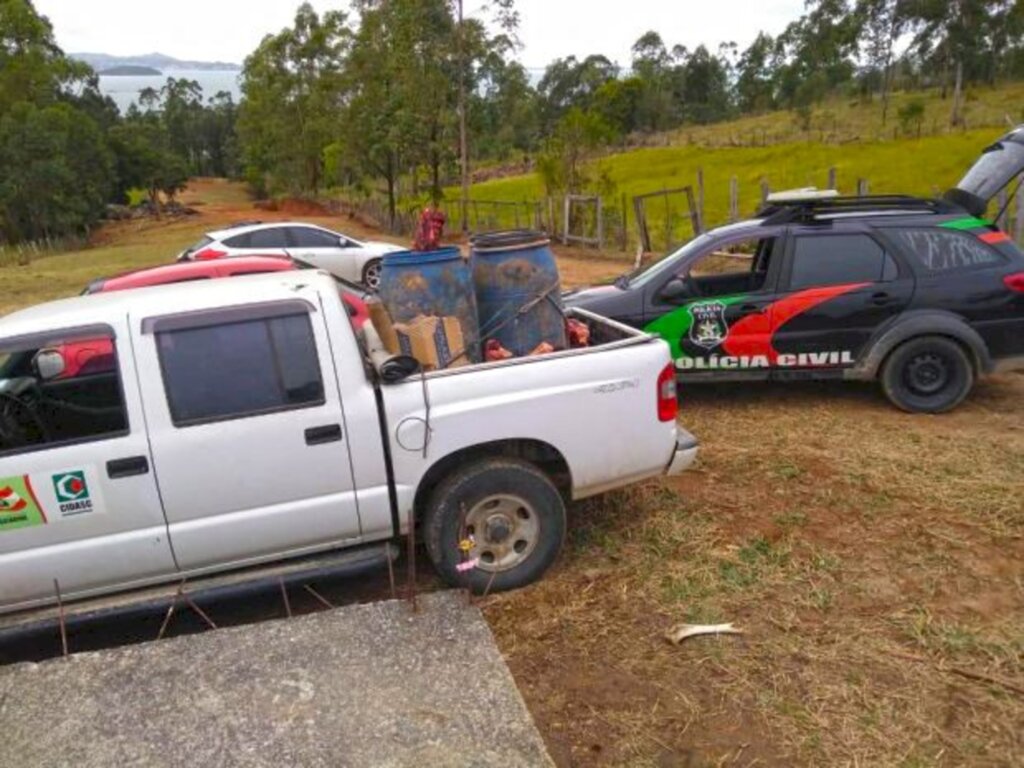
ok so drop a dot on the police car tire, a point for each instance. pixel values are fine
(960, 375)
(469, 485)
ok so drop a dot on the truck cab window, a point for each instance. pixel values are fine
(59, 391)
(240, 369)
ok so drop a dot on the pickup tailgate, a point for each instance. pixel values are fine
(598, 407)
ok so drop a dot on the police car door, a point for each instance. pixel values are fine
(715, 311)
(840, 286)
(79, 507)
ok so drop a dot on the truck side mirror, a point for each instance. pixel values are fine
(49, 364)
(675, 290)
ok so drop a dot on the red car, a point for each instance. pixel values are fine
(191, 270)
(90, 356)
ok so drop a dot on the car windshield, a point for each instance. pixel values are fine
(642, 277)
(205, 241)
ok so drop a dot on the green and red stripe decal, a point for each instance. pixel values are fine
(984, 230)
(753, 335)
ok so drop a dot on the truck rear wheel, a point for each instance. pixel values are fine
(502, 515)
(931, 374)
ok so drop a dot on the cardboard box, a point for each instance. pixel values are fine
(381, 320)
(437, 342)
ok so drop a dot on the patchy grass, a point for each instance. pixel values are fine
(872, 557)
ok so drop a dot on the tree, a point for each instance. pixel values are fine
(883, 22)
(58, 171)
(146, 160)
(816, 53)
(293, 86)
(755, 86)
(569, 83)
(562, 165)
(706, 95)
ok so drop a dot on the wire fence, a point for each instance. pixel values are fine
(656, 221)
(23, 254)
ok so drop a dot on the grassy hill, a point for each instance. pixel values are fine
(776, 148)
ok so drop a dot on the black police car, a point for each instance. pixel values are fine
(923, 295)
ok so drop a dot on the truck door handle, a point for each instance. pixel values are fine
(321, 435)
(136, 465)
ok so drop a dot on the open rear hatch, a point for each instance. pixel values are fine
(997, 167)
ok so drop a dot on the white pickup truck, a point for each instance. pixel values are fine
(170, 433)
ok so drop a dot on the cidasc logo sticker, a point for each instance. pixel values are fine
(72, 492)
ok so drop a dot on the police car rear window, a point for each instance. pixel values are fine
(942, 250)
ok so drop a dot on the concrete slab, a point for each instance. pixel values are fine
(370, 685)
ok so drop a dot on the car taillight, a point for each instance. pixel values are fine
(208, 254)
(1015, 282)
(668, 402)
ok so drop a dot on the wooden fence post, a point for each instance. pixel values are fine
(694, 215)
(832, 175)
(700, 200)
(565, 224)
(624, 240)
(766, 190)
(640, 211)
(600, 223)
(734, 199)
(863, 188)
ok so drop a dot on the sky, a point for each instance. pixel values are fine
(228, 30)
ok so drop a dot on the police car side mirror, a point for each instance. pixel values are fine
(675, 290)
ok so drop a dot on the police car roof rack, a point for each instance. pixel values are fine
(817, 210)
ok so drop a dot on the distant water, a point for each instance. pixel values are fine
(125, 90)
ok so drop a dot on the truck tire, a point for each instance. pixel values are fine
(510, 511)
(371, 274)
(929, 374)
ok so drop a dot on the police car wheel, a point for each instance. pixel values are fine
(930, 374)
(494, 525)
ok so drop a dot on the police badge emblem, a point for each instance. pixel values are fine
(709, 327)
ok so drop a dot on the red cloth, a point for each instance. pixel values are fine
(493, 351)
(579, 333)
(430, 230)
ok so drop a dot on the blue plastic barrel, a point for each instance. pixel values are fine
(440, 283)
(518, 291)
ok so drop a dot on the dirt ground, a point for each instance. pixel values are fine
(874, 560)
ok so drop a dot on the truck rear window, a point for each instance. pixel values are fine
(944, 250)
(240, 369)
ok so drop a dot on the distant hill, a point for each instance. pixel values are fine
(130, 70)
(158, 61)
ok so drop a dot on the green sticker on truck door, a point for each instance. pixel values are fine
(19, 507)
(48, 498)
